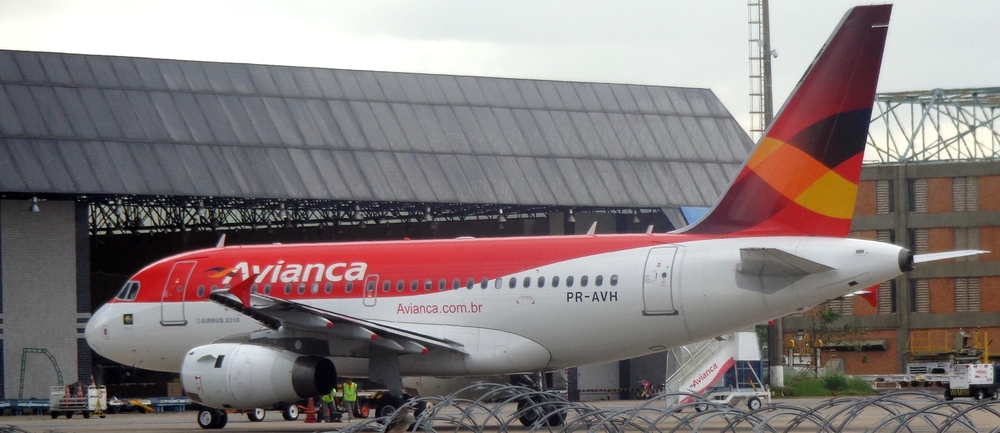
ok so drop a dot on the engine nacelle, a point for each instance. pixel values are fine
(246, 376)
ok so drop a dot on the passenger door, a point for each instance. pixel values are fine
(172, 300)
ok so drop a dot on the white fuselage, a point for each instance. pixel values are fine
(652, 306)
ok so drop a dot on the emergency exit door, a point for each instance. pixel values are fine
(657, 284)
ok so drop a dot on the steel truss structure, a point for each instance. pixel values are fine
(115, 215)
(935, 125)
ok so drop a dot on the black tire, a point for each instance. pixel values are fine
(947, 394)
(212, 418)
(547, 409)
(54, 413)
(206, 419)
(387, 405)
(700, 407)
(86, 414)
(69, 415)
(753, 403)
(256, 415)
(977, 394)
(290, 412)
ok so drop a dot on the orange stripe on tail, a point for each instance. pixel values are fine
(802, 178)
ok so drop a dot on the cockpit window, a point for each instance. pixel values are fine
(128, 292)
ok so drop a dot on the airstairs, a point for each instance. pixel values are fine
(699, 365)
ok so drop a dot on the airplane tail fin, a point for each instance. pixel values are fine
(802, 178)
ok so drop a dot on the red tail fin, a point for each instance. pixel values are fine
(802, 178)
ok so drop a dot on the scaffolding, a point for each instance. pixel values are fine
(935, 126)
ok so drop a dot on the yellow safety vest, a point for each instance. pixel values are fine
(350, 392)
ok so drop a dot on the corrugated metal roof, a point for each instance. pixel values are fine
(84, 124)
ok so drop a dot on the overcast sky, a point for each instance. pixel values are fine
(932, 44)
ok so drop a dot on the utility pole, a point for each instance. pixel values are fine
(761, 113)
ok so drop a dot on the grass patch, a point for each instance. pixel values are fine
(827, 386)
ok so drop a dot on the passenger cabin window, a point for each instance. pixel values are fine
(201, 291)
(302, 288)
(455, 284)
(349, 287)
(598, 280)
(442, 284)
(583, 281)
(498, 283)
(315, 288)
(267, 289)
(329, 287)
(427, 285)
(400, 285)
(555, 281)
(614, 280)
(527, 282)
(485, 282)
(386, 286)
(513, 282)
(288, 288)
(569, 281)
(413, 285)
(253, 289)
(541, 282)
(469, 283)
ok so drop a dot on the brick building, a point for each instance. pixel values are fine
(927, 207)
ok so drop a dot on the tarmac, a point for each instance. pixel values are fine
(780, 415)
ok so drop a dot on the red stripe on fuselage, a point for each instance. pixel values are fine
(393, 260)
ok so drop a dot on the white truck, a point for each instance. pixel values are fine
(978, 381)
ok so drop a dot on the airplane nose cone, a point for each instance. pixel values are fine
(905, 260)
(97, 331)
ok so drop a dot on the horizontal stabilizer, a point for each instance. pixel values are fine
(922, 258)
(772, 262)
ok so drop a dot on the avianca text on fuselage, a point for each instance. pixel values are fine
(282, 272)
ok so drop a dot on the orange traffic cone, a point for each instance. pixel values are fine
(79, 392)
(311, 412)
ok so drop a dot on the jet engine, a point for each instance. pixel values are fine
(246, 376)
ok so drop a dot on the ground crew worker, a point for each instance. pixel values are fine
(350, 398)
(326, 407)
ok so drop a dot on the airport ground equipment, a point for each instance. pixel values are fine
(63, 401)
(978, 381)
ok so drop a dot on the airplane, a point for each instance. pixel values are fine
(254, 326)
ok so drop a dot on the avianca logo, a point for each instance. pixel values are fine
(294, 272)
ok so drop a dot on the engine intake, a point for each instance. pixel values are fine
(247, 376)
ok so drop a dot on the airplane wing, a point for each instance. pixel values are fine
(276, 313)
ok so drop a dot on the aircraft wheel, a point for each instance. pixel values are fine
(205, 418)
(700, 407)
(212, 419)
(545, 409)
(753, 403)
(387, 405)
(290, 412)
(257, 415)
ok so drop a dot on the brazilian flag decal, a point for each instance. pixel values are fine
(127, 319)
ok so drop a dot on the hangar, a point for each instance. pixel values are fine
(111, 162)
